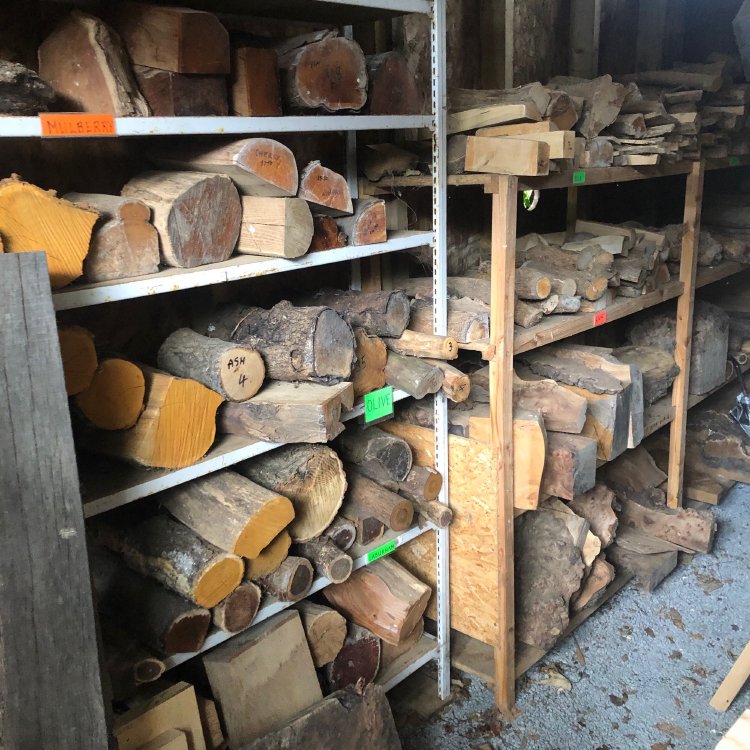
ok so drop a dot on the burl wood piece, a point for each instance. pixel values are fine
(114, 398)
(599, 576)
(172, 94)
(570, 467)
(79, 358)
(598, 507)
(255, 82)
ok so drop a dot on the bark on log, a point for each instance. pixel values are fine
(325, 631)
(291, 581)
(368, 499)
(657, 367)
(570, 467)
(566, 305)
(468, 320)
(235, 372)
(412, 375)
(311, 476)
(270, 557)
(171, 94)
(421, 485)
(327, 190)
(560, 283)
(326, 234)
(85, 43)
(368, 373)
(326, 558)
(179, 559)
(79, 358)
(367, 226)
(22, 91)
(255, 83)
(211, 201)
(435, 512)
(526, 314)
(382, 597)
(563, 410)
(393, 90)
(598, 506)
(456, 384)
(114, 398)
(382, 457)
(238, 610)
(277, 227)
(532, 284)
(342, 532)
(415, 344)
(230, 511)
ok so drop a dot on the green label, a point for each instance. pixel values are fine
(579, 177)
(381, 551)
(379, 404)
(734, 161)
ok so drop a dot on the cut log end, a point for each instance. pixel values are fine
(271, 162)
(274, 513)
(221, 577)
(79, 358)
(270, 557)
(188, 632)
(292, 581)
(114, 398)
(242, 373)
(326, 189)
(239, 609)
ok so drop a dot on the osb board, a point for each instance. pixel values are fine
(473, 533)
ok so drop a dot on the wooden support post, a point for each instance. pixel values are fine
(503, 250)
(683, 338)
(572, 210)
(585, 22)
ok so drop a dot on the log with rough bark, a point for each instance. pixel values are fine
(297, 343)
(532, 284)
(177, 39)
(598, 507)
(358, 661)
(123, 243)
(329, 74)
(114, 398)
(422, 484)
(412, 375)
(468, 319)
(258, 166)
(326, 234)
(657, 367)
(368, 499)
(560, 283)
(269, 558)
(230, 511)
(594, 586)
(278, 227)
(382, 457)
(311, 476)
(291, 581)
(255, 83)
(289, 413)
(22, 91)
(367, 225)
(526, 314)
(326, 190)
(456, 384)
(176, 557)
(170, 94)
(79, 358)
(238, 610)
(235, 372)
(326, 558)
(127, 663)
(393, 90)
(32, 219)
(211, 201)
(176, 428)
(435, 512)
(82, 42)
(570, 465)
(476, 288)
(156, 616)
(382, 597)
(325, 631)
(342, 532)
(428, 345)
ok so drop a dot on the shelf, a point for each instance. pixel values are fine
(126, 484)
(406, 664)
(710, 274)
(236, 268)
(272, 606)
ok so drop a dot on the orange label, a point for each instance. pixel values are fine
(600, 318)
(76, 125)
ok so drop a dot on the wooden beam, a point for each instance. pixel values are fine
(733, 682)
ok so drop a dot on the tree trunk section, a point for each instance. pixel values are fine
(255, 83)
(327, 559)
(79, 358)
(367, 225)
(392, 87)
(291, 581)
(382, 457)
(456, 384)
(358, 661)
(269, 559)
(326, 190)
(532, 284)
(526, 314)
(128, 664)
(368, 373)
(368, 499)
(114, 398)
(276, 227)
(326, 234)
(238, 610)
(325, 630)
(415, 344)
(342, 532)
(422, 484)
(468, 320)
(412, 375)
(178, 95)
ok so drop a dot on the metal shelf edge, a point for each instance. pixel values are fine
(420, 654)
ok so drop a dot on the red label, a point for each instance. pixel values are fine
(77, 125)
(600, 318)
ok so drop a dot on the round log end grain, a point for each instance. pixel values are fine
(325, 630)
(341, 569)
(325, 188)
(333, 343)
(270, 557)
(78, 356)
(239, 609)
(242, 373)
(432, 486)
(187, 632)
(218, 580)
(148, 669)
(595, 288)
(273, 162)
(114, 398)
(402, 516)
(255, 536)
(300, 582)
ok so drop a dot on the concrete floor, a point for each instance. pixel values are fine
(641, 670)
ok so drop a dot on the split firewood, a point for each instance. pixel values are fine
(327, 559)
(412, 375)
(600, 575)
(368, 373)
(657, 367)
(367, 225)
(270, 557)
(422, 484)
(414, 344)
(230, 511)
(389, 654)
(156, 616)
(357, 662)
(176, 557)
(84, 42)
(526, 314)
(278, 227)
(368, 499)
(79, 358)
(598, 507)
(291, 581)
(23, 91)
(325, 631)
(211, 200)
(383, 458)
(289, 413)
(382, 597)
(255, 83)
(311, 476)
(471, 109)
(342, 532)
(532, 284)
(326, 234)
(238, 610)
(570, 465)
(171, 94)
(177, 39)
(127, 663)
(456, 384)
(260, 167)
(297, 343)
(468, 320)
(114, 398)
(326, 190)
(176, 428)
(235, 372)
(393, 90)
(330, 74)
(64, 233)
(603, 100)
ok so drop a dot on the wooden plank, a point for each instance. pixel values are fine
(733, 682)
(493, 114)
(506, 156)
(738, 736)
(561, 142)
(47, 607)
(680, 389)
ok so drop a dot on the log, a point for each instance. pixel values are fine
(368, 530)
(566, 305)
(381, 457)
(230, 511)
(382, 597)
(456, 384)
(570, 466)
(594, 586)
(327, 559)
(270, 557)
(297, 343)
(468, 320)
(177, 39)
(389, 654)
(170, 94)
(326, 234)
(649, 570)
(368, 373)
(176, 428)
(393, 90)
(635, 476)
(526, 314)
(123, 243)
(114, 398)
(256, 91)
(291, 581)
(211, 201)
(657, 367)
(436, 513)
(82, 42)
(326, 190)
(176, 557)
(259, 167)
(412, 375)
(329, 74)
(22, 91)
(311, 476)
(276, 227)
(532, 284)
(358, 661)
(603, 100)
(32, 218)
(421, 485)
(368, 499)
(156, 616)
(235, 372)
(127, 663)
(367, 226)
(343, 533)
(325, 630)
(238, 610)
(475, 288)
(289, 413)
(598, 507)
(78, 358)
